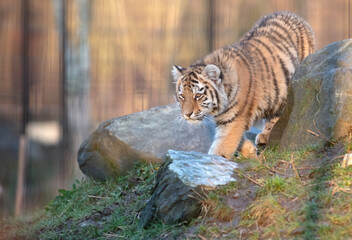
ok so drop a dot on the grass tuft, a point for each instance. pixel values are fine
(275, 184)
(213, 206)
(265, 211)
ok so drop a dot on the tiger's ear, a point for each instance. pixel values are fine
(213, 73)
(177, 72)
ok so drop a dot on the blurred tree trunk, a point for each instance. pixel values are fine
(73, 18)
(211, 24)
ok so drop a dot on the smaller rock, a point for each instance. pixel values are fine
(180, 185)
(196, 169)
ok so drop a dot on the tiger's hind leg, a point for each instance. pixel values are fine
(262, 138)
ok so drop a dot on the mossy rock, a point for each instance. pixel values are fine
(319, 108)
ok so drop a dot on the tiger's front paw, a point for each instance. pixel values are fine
(220, 153)
(248, 149)
(261, 139)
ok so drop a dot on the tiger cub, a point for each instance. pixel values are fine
(242, 82)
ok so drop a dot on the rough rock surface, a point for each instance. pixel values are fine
(179, 184)
(319, 101)
(114, 147)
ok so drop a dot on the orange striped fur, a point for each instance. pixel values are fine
(242, 82)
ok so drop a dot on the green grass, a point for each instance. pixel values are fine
(213, 205)
(268, 201)
(96, 210)
(316, 205)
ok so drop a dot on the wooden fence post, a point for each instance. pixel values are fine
(22, 155)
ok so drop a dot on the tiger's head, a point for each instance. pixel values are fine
(199, 91)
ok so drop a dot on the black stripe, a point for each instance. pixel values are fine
(306, 36)
(270, 34)
(264, 45)
(272, 31)
(194, 81)
(285, 71)
(234, 104)
(283, 47)
(288, 34)
(260, 109)
(262, 74)
(257, 50)
(262, 56)
(245, 61)
(310, 36)
(310, 42)
(217, 96)
(250, 76)
(249, 112)
(294, 27)
(268, 113)
(259, 53)
(300, 42)
(231, 104)
(293, 59)
(229, 91)
(277, 90)
(227, 121)
(212, 96)
(273, 57)
(192, 74)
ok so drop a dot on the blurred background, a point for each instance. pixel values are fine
(67, 65)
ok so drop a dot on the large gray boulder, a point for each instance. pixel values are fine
(181, 183)
(117, 144)
(319, 105)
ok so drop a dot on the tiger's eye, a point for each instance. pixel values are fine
(181, 97)
(198, 96)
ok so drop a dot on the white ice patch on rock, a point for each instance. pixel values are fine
(198, 169)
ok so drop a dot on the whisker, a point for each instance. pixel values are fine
(205, 122)
(181, 121)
